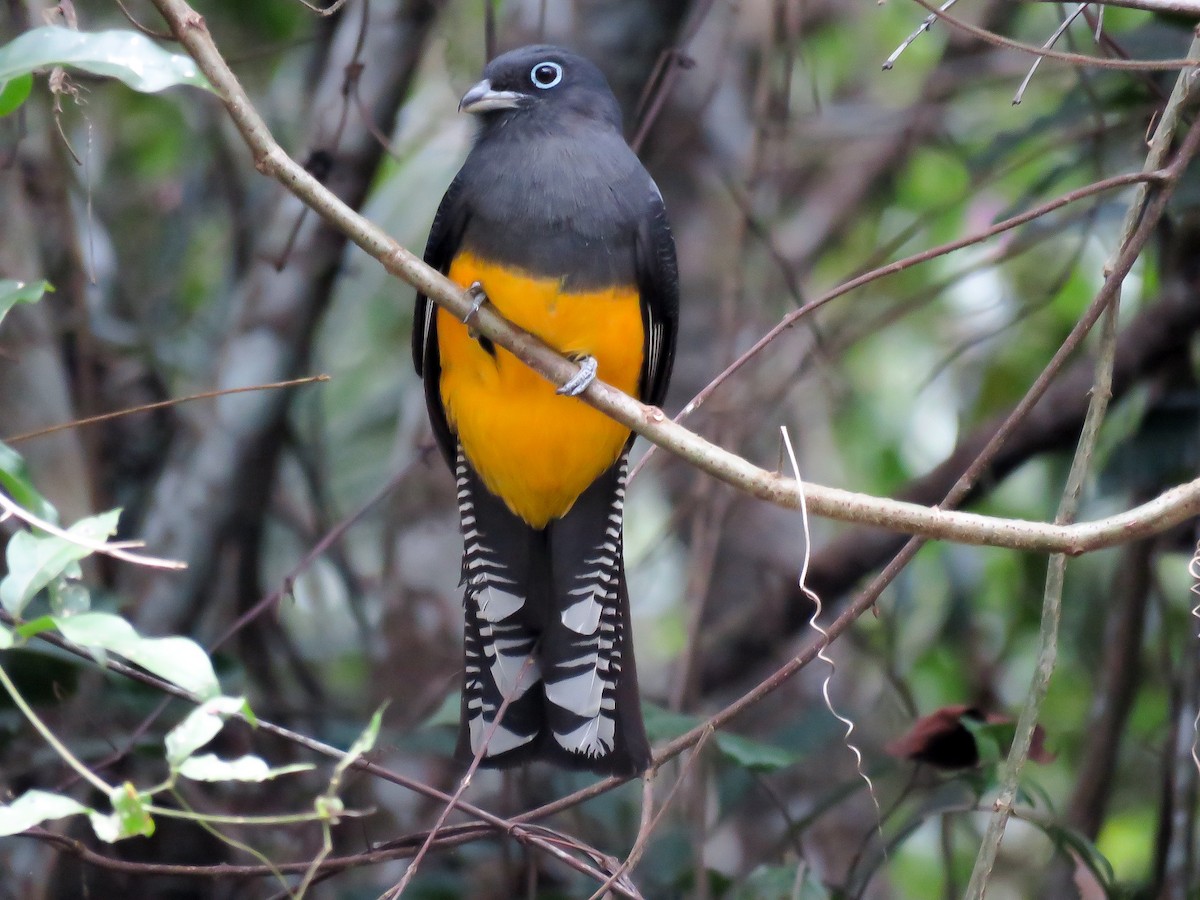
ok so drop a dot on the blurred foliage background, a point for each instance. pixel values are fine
(790, 161)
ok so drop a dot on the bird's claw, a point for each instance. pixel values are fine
(580, 380)
(478, 298)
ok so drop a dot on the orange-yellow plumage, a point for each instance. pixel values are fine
(537, 450)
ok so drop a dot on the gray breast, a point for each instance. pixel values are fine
(558, 206)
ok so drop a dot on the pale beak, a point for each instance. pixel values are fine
(481, 98)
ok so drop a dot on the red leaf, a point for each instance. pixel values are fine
(940, 739)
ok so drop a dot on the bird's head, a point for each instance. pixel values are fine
(541, 82)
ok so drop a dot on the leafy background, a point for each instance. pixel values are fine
(319, 530)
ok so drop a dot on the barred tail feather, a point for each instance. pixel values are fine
(593, 713)
(547, 626)
(500, 642)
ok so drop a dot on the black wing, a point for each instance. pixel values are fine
(445, 236)
(658, 284)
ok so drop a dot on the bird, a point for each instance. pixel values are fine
(555, 223)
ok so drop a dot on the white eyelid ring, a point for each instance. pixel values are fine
(546, 75)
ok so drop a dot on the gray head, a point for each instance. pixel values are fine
(544, 86)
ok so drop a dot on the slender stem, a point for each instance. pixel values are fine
(1171, 508)
(1069, 505)
(900, 265)
(285, 819)
(1179, 7)
(1100, 62)
(463, 784)
(50, 738)
(115, 550)
(161, 404)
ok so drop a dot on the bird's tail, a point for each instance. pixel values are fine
(593, 714)
(547, 628)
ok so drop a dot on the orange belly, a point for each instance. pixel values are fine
(534, 449)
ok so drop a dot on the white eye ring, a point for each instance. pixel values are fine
(544, 83)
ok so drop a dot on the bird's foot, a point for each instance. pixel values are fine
(478, 298)
(580, 380)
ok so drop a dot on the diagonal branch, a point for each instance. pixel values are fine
(1176, 7)
(209, 501)
(1099, 62)
(520, 828)
(1170, 508)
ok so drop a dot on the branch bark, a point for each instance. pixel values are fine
(1170, 508)
(1156, 335)
(1099, 62)
(1175, 7)
(216, 487)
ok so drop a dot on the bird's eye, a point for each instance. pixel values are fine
(546, 75)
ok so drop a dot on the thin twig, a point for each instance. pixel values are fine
(330, 538)
(920, 30)
(1099, 62)
(270, 600)
(707, 527)
(161, 404)
(116, 549)
(519, 827)
(663, 76)
(1185, 89)
(489, 30)
(323, 158)
(650, 823)
(1171, 508)
(463, 783)
(149, 32)
(50, 738)
(790, 320)
(1179, 7)
(1050, 42)
(218, 871)
(323, 10)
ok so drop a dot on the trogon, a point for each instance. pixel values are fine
(554, 222)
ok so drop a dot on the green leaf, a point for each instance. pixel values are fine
(662, 725)
(35, 561)
(329, 808)
(14, 92)
(248, 715)
(210, 767)
(14, 292)
(992, 739)
(755, 755)
(778, 883)
(33, 808)
(14, 478)
(176, 659)
(130, 807)
(126, 55)
(129, 818)
(1084, 849)
(362, 744)
(33, 627)
(201, 726)
(25, 568)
